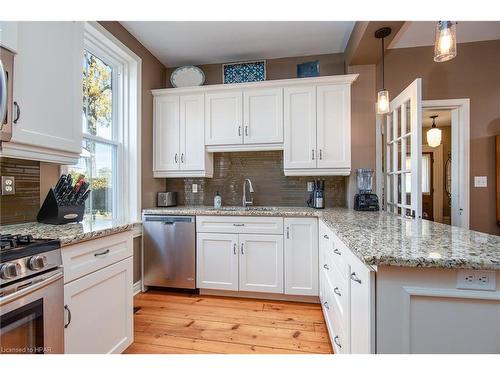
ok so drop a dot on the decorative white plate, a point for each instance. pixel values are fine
(186, 76)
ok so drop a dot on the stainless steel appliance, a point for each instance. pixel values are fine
(317, 195)
(6, 101)
(365, 200)
(31, 296)
(167, 199)
(169, 251)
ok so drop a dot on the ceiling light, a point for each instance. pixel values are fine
(445, 46)
(434, 134)
(383, 94)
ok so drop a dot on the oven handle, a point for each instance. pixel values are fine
(48, 279)
(3, 94)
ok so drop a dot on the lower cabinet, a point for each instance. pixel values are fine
(99, 305)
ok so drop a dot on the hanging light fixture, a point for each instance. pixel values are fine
(383, 95)
(445, 46)
(434, 134)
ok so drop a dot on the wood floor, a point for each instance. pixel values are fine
(175, 323)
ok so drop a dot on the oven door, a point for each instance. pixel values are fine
(32, 316)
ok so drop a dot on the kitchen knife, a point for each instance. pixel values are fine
(59, 184)
(84, 197)
(82, 189)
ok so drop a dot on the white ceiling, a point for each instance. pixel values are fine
(195, 43)
(422, 33)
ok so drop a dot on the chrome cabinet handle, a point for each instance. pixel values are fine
(238, 225)
(103, 253)
(182, 158)
(325, 266)
(242, 252)
(234, 249)
(176, 158)
(326, 237)
(288, 233)
(336, 251)
(239, 131)
(18, 112)
(326, 305)
(312, 151)
(354, 277)
(320, 154)
(246, 130)
(337, 291)
(66, 307)
(336, 340)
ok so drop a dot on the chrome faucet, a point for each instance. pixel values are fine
(250, 188)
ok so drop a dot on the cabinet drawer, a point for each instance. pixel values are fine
(90, 256)
(334, 323)
(337, 290)
(239, 224)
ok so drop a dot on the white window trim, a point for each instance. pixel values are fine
(128, 156)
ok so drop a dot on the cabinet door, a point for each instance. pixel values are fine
(48, 85)
(299, 127)
(217, 261)
(261, 263)
(101, 311)
(166, 150)
(362, 308)
(334, 126)
(263, 116)
(8, 35)
(192, 136)
(301, 256)
(223, 118)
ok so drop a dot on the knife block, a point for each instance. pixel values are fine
(52, 212)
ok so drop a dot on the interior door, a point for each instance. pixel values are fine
(166, 111)
(263, 116)
(192, 136)
(261, 263)
(223, 118)
(300, 127)
(404, 141)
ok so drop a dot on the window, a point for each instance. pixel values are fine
(426, 174)
(110, 158)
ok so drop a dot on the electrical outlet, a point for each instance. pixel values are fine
(477, 280)
(8, 185)
(310, 186)
(480, 181)
(195, 188)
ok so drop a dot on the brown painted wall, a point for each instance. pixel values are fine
(282, 68)
(473, 74)
(265, 170)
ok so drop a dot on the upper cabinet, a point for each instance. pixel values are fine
(224, 118)
(47, 92)
(179, 142)
(8, 35)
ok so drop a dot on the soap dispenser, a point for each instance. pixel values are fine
(217, 200)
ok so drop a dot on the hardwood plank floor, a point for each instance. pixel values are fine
(178, 323)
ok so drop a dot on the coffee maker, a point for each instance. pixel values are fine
(365, 200)
(317, 195)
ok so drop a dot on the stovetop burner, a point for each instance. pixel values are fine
(16, 246)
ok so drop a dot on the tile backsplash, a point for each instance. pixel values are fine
(23, 206)
(265, 170)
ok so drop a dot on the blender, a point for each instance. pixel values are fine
(365, 200)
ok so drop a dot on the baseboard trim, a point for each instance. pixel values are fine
(270, 296)
(137, 287)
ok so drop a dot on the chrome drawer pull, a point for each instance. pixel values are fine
(336, 251)
(336, 340)
(238, 225)
(103, 253)
(326, 237)
(242, 252)
(325, 266)
(326, 305)
(337, 291)
(355, 278)
(234, 249)
(66, 307)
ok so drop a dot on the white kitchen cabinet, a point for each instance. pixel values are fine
(240, 224)
(48, 91)
(8, 35)
(300, 128)
(179, 148)
(263, 116)
(223, 118)
(301, 256)
(99, 311)
(261, 263)
(217, 261)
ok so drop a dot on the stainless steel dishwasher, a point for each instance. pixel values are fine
(169, 251)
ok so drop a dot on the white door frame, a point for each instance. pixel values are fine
(460, 150)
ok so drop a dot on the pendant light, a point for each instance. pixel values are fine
(445, 46)
(434, 134)
(383, 95)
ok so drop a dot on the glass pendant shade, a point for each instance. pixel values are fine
(383, 102)
(445, 46)
(434, 137)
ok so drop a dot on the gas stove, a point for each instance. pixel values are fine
(22, 256)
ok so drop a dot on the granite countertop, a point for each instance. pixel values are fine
(72, 233)
(379, 238)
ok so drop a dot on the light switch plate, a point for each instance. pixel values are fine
(195, 188)
(8, 185)
(480, 181)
